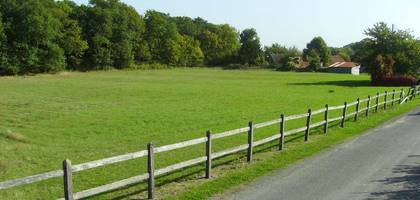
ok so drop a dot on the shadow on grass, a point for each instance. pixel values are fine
(408, 176)
(159, 183)
(345, 83)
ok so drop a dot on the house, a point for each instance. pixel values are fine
(339, 65)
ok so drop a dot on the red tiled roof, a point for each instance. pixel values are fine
(344, 64)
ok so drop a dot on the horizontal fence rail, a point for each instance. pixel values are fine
(362, 107)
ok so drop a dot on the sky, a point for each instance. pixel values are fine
(294, 22)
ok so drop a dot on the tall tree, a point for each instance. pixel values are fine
(250, 51)
(71, 40)
(192, 54)
(314, 60)
(35, 48)
(390, 52)
(114, 33)
(3, 55)
(163, 38)
(319, 46)
(219, 43)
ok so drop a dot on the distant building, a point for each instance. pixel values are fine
(339, 65)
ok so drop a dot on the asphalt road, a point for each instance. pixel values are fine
(382, 164)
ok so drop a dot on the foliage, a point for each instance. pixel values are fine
(317, 46)
(3, 57)
(105, 34)
(359, 50)
(250, 51)
(395, 80)
(282, 58)
(35, 48)
(389, 52)
(314, 60)
(343, 52)
(219, 44)
(113, 31)
(71, 40)
(162, 37)
(191, 52)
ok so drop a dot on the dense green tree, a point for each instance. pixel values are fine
(57, 35)
(320, 47)
(359, 50)
(187, 26)
(192, 54)
(34, 49)
(163, 38)
(220, 44)
(250, 51)
(71, 40)
(3, 45)
(114, 32)
(314, 60)
(389, 52)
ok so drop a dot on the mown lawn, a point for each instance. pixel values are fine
(87, 116)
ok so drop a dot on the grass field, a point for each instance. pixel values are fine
(87, 116)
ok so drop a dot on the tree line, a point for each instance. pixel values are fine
(43, 36)
(38, 36)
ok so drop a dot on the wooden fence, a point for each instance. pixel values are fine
(389, 99)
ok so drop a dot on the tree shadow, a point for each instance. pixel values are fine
(410, 179)
(344, 83)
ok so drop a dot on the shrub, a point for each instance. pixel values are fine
(395, 80)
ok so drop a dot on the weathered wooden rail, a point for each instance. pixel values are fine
(152, 173)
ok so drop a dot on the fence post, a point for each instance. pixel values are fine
(250, 141)
(356, 116)
(385, 99)
(326, 119)
(409, 94)
(344, 115)
(413, 92)
(377, 102)
(282, 127)
(401, 95)
(208, 154)
(368, 106)
(68, 180)
(308, 124)
(393, 98)
(418, 92)
(151, 171)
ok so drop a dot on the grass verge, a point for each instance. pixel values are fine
(269, 161)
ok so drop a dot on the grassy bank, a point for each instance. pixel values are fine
(270, 160)
(86, 116)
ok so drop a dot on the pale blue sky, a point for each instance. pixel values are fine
(295, 22)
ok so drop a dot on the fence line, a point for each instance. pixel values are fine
(68, 169)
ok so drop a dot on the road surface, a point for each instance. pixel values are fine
(382, 164)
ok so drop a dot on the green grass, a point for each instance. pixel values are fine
(86, 116)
